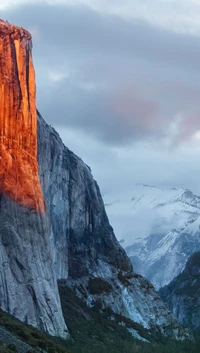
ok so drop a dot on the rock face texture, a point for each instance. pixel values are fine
(85, 251)
(182, 294)
(28, 287)
(18, 119)
(81, 235)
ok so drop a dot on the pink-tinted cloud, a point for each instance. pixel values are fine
(189, 125)
(141, 114)
(186, 92)
(175, 120)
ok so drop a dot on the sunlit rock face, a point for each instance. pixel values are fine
(18, 120)
(28, 286)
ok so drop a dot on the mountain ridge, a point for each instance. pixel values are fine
(160, 246)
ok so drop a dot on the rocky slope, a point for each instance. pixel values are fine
(28, 288)
(182, 294)
(85, 251)
(92, 332)
(160, 246)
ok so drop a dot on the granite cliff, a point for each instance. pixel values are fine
(18, 119)
(28, 287)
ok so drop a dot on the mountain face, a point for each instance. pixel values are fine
(163, 230)
(18, 120)
(182, 294)
(28, 288)
(81, 236)
(87, 256)
(67, 236)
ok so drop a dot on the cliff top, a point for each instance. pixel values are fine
(18, 32)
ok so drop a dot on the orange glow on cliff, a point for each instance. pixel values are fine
(19, 179)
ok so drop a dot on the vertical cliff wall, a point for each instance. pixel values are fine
(83, 242)
(28, 286)
(18, 121)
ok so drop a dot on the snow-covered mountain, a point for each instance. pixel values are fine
(158, 228)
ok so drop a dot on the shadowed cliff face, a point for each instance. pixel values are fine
(18, 121)
(181, 295)
(85, 250)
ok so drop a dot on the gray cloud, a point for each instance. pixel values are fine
(119, 93)
(122, 80)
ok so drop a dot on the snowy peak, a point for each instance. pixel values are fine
(157, 226)
(151, 196)
(162, 209)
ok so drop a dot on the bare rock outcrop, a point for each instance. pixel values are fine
(28, 286)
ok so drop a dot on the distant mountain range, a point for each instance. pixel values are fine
(161, 229)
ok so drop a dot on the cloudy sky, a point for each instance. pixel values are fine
(120, 81)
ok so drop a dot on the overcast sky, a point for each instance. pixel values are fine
(120, 81)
